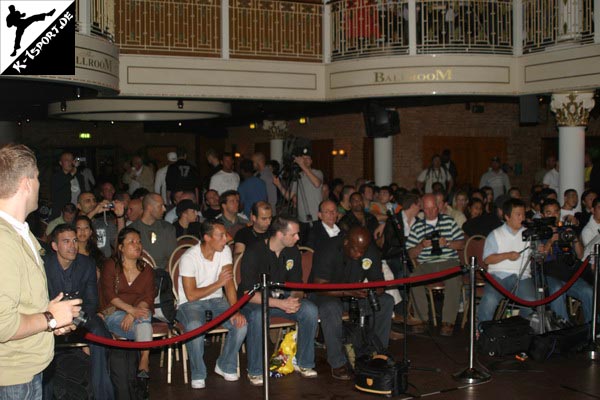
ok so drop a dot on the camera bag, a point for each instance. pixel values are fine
(380, 374)
(562, 341)
(505, 336)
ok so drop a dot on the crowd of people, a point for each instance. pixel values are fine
(95, 240)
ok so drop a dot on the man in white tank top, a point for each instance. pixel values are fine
(505, 254)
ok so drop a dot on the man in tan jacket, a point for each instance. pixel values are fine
(27, 318)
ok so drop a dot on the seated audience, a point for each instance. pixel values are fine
(230, 217)
(279, 257)
(206, 284)
(420, 247)
(506, 254)
(187, 219)
(212, 207)
(74, 275)
(261, 215)
(128, 292)
(157, 235)
(349, 260)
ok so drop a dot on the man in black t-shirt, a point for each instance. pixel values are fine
(182, 176)
(353, 260)
(260, 216)
(279, 257)
(358, 216)
(187, 219)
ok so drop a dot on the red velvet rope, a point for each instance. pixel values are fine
(365, 285)
(175, 339)
(543, 301)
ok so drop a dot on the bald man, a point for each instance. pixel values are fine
(354, 259)
(158, 236)
(430, 258)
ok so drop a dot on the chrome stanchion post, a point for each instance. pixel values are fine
(594, 353)
(471, 374)
(265, 332)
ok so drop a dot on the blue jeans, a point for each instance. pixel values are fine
(330, 311)
(141, 331)
(31, 390)
(307, 318)
(580, 290)
(192, 316)
(491, 297)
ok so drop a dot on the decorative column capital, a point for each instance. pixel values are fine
(572, 108)
(276, 129)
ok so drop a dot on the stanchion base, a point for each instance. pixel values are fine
(593, 355)
(471, 375)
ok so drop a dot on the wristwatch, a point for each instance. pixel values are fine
(51, 321)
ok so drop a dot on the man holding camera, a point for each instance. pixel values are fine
(75, 275)
(563, 250)
(507, 254)
(433, 242)
(305, 191)
(352, 259)
(106, 224)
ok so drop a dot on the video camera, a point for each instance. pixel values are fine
(293, 147)
(538, 229)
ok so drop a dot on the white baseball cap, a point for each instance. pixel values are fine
(172, 156)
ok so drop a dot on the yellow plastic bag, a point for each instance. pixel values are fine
(282, 360)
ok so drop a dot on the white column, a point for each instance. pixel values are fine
(326, 42)
(517, 13)
(412, 27)
(572, 113)
(85, 24)
(382, 160)
(277, 150)
(9, 132)
(597, 21)
(225, 29)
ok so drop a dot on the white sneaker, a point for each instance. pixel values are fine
(306, 372)
(226, 376)
(256, 380)
(198, 384)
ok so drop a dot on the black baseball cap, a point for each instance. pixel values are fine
(185, 205)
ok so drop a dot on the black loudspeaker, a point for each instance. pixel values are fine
(381, 122)
(528, 107)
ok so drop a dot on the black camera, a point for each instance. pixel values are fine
(434, 236)
(82, 318)
(373, 300)
(564, 244)
(538, 229)
(354, 311)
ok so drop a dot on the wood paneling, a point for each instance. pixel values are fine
(472, 155)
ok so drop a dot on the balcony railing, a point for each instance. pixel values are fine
(293, 30)
(551, 22)
(473, 26)
(182, 27)
(275, 29)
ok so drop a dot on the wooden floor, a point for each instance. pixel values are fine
(559, 378)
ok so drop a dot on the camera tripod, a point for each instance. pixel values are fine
(535, 262)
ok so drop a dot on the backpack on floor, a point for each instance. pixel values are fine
(71, 378)
(380, 374)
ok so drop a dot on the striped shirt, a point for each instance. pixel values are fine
(446, 226)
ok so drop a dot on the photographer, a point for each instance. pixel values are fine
(434, 242)
(305, 191)
(506, 254)
(563, 251)
(75, 275)
(349, 259)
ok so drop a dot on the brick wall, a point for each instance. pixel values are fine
(524, 143)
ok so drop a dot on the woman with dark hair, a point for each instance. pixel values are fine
(87, 241)
(474, 209)
(128, 292)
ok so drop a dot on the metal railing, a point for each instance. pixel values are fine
(551, 22)
(368, 28)
(471, 26)
(292, 30)
(178, 27)
(275, 29)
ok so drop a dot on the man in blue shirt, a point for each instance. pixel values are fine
(75, 275)
(252, 189)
